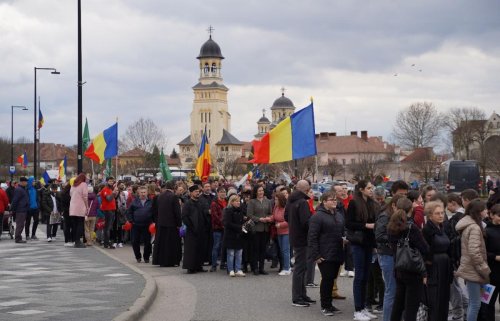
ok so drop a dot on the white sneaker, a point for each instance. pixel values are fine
(49, 239)
(285, 272)
(360, 316)
(350, 274)
(69, 244)
(115, 245)
(369, 314)
(239, 273)
(120, 244)
(343, 273)
(231, 274)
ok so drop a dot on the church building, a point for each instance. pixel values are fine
(210, 111)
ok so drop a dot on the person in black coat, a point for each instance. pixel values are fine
(194, 218)
(233, 241)
(140, 213)
(438, 262)
(51, 203)
(492, 240)
(326, 246)
(167, 251)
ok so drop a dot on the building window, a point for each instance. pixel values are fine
(209, 117)
(335, 161)
(209, 133)
(214, 68)
(353, 161)
(343, 162)
(201, 114)
(206, 69)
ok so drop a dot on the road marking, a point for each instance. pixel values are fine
(115, 275)
(26, 312)
(12, 303)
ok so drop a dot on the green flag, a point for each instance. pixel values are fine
(86, 136)
(165, 170)
(108, 171)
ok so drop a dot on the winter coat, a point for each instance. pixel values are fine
(233, 220)
(33, 195)
(279, 217)
(4, 201)
(47, 205)
(473, 263)
(354, 222)
(299, 214)
(492, 233)
(93, 205)
(257, 209)
(169, 210)
(140, 214)
(383, 246)
(78, 206)
(216, 214)
(20, 201)
(325, 235)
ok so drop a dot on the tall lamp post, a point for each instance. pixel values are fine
(35, 162)
(12, 137)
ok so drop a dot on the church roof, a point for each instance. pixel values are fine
(186, 141)
(210, 49)
(228, 139)
(264, 119)
(282, 102)
(212, 85)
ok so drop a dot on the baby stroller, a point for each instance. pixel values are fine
(7, 225)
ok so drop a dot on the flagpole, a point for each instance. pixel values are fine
(116, 169)
(39, 137)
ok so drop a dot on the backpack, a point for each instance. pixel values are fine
(455, 240)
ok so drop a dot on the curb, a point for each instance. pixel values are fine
(148, 295)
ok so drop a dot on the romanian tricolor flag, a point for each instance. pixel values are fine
(23, 160)
(45, 180)
(40, 119)
(204, 163)
(293, 138)
(104, 146)
(63, 165)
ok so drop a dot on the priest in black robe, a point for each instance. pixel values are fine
(196, 224)
(167, 250)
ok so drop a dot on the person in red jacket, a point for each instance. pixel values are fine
(216, 212)
(108, 207)
(4, 204)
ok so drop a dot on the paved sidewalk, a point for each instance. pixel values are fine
(47, 281)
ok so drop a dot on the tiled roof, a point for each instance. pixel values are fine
(332, 144)
(186, 141)
(55, 152)
(419, 155)
(228, 139)
(136, 152)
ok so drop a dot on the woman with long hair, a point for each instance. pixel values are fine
(78, 208)
(386, 256)
(409, 285)
(360, 222)
(233, 222)
(473, 261)
(282, 231)
(438, 261)
(259, 210)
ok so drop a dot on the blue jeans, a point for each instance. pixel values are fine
(284, 243)
(474, 290)
(217, 235)
(362, 258)
(234, 259)
(386, 263)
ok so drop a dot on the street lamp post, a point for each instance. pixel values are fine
(35, 162)
(12, 137)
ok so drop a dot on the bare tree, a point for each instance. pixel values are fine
(333, 168)
(143, 134)
(417, 125)
(481, 134)
(424, 166)
(463, 123)
(493, 154)
(367, 167)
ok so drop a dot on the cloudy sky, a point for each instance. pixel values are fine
(139, 60)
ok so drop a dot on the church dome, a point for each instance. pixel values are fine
(264, 119)
(283, 102)
(210, 49)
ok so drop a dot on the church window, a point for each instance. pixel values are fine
(209, 133)
(201, 114)
(214, 68)
(209, 117)
(206, 69)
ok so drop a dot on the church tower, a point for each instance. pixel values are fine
(210, 108)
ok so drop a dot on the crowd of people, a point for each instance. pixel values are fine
(216, 224)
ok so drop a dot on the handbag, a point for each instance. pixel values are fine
(55, 218)
(355, 237)
(423, 310)
(408, 259)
